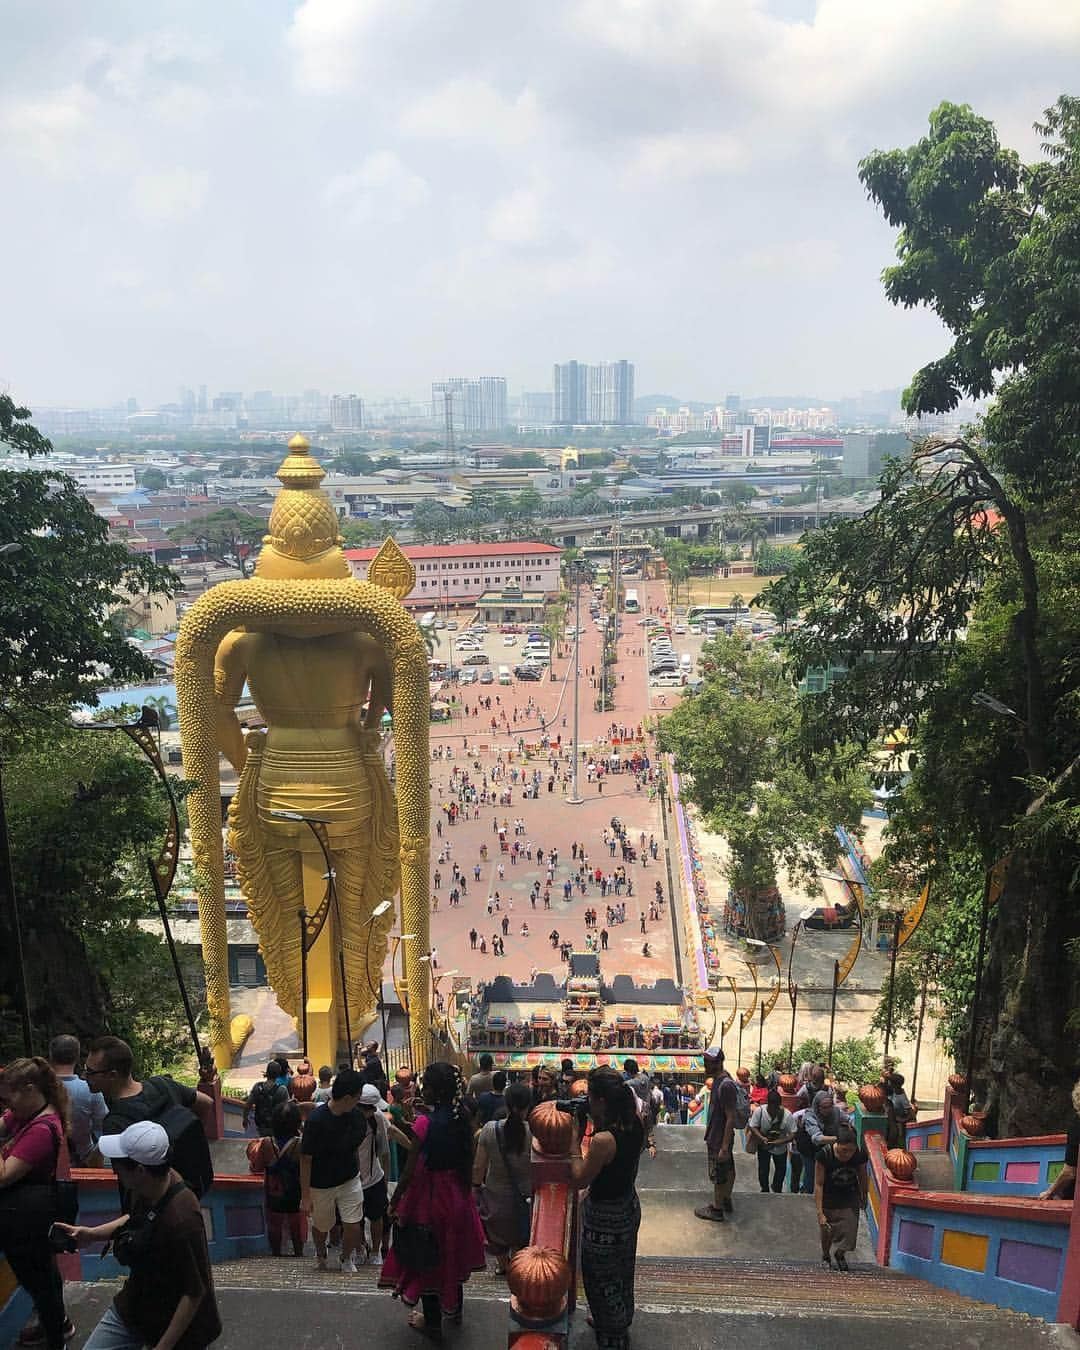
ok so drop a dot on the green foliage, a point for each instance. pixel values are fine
(229, 534)
(84, 812)
(18, 432)
(964, 580)
(855, 1060)
(153, 479)
(732, 741)
(362, 533)
(56, 593)
(776, 560)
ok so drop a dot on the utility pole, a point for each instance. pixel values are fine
(575, 798)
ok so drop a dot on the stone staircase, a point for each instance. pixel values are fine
(755, 1280)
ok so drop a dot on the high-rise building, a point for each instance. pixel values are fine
(602, 394)
(569, 393)
(478, 404)
(346, 412)
(537, 406)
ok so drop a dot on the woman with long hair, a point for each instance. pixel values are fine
(435, 1192)
(501, 1177)
(611, 1214)
(34, 1125)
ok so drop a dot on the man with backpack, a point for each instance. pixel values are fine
(183, 1112)
(263, 1097)
(724, 1109)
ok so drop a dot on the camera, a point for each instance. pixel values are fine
(60, 1241)
(131, 1246)
(578, 1107)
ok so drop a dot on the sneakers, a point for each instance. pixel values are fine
(320, 1262)
(376, 1259)
(348, 1265)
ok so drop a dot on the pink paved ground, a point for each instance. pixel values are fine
(550, 821)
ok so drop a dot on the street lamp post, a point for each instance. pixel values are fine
(793, 992)
(11, 905)
(302, 916)
(402, 990)
(11, 900)
(377, 913)
(898, 919)
(575, 798)
(162, 869)
(317, 825)
(832, 1012)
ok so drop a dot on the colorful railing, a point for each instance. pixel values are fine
(1012, 1250)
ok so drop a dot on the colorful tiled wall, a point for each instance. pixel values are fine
(1011, 1261)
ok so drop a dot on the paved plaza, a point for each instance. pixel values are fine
(522, 711)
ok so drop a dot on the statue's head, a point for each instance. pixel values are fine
(303, 541)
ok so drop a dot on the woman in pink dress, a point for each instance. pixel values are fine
(436, 1190)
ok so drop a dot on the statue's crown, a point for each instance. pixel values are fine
(303, 523)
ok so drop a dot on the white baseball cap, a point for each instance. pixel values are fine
(144, 1142)
(371, 1097)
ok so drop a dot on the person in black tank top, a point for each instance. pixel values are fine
(611, 1214)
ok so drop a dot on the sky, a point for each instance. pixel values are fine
(366, 195)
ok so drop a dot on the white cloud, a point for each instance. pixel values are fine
(382, 189)
(48, 130)
(678, 155)
(330, 39)
(471, 109)
(518, 218)
(169, 194)
(809, 258)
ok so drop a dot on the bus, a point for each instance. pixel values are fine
(718, 614)
(630, 602)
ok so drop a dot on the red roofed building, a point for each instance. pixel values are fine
(459, 574)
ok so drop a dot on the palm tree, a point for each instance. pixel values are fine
(756, 531)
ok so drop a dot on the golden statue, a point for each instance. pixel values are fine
(314, 647)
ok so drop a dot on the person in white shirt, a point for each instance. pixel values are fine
(773, 1126)
(374, 1158)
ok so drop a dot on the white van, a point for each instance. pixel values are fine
(686, 663)
(504, 675)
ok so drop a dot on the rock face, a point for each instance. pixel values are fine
(1027, 1052)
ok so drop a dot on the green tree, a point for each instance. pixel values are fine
(737, 495)
(732, 742)
(362, 533)
(229, 534)
(354, 463)
(153, 479)
(57, 645)
(84, 812)
(754, 532)
(432, 523)
(963, 580)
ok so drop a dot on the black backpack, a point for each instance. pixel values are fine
(264, 1097)
(189, 1150)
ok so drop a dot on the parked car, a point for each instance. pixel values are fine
(528, 672)
(467, 677)
(509, 640)
(667, 680)
(440, 623)
(680, 628)
(452, 624)
(695, 628)
(487, 677)
(477, 659)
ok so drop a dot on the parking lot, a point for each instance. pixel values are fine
(484, 654)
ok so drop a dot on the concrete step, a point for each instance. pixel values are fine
(687, 1302)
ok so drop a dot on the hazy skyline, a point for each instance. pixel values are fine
(365, 196)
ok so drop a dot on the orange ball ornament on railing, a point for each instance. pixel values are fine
(551, 1129)
(873, 1099)
(901, 1163)
(974, 1125)
(957, 1082)
(539, 1279)
(303, 1087)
